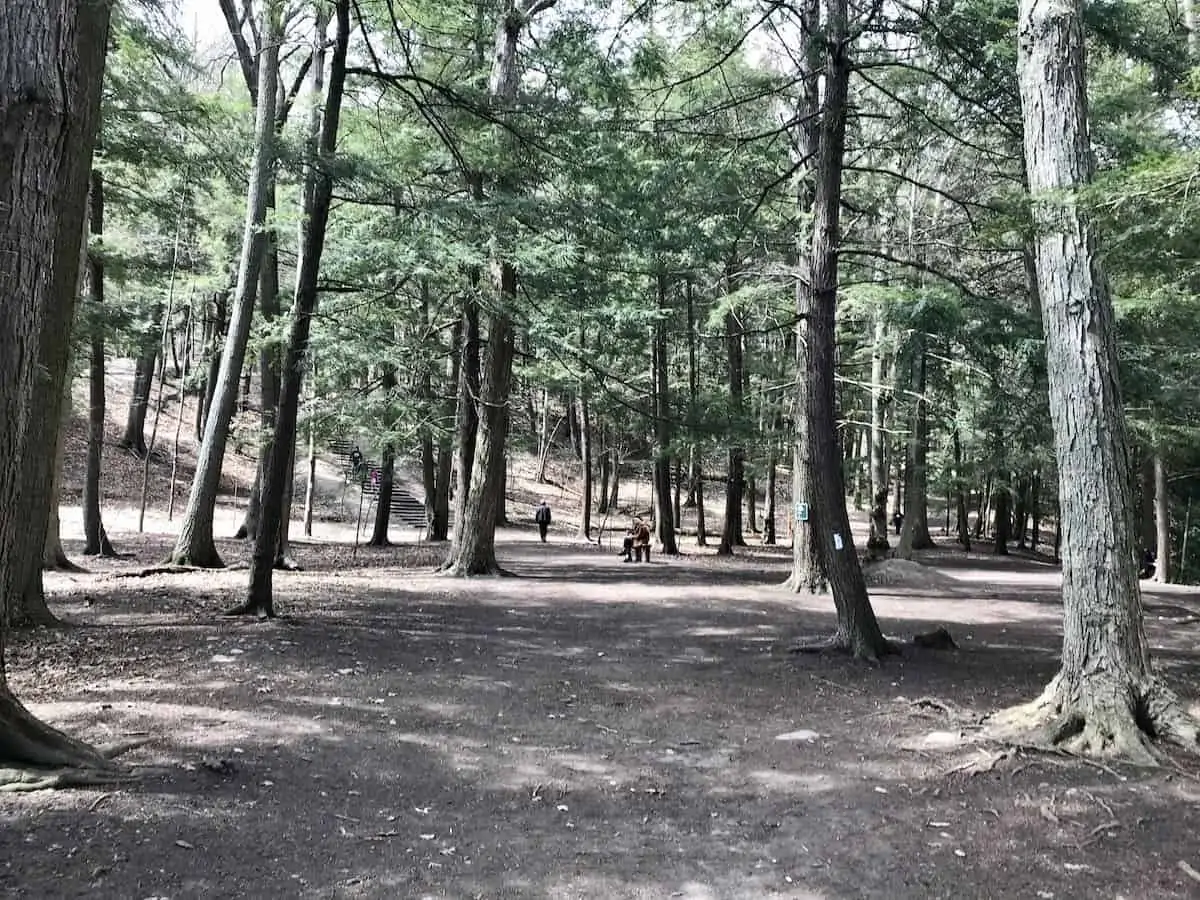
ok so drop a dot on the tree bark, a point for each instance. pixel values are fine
(1163, 570)
(51, 70)
(1104, 701)
(878, 438)
(960, 495)
(858, 631)
(731, 529)
(195, 545)
(585, 453)
(915, 531)
(134, 437)
(317, 200)
(664, 523)
(96, 541)
(769, 518)
(383, 499)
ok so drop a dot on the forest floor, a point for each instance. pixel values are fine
(588, 729)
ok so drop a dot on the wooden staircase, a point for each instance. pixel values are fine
(406, 510)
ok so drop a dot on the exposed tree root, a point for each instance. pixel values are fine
(462, 570)
(840, 642)
(64, 564)
(260, 610)
(35, 756)
(1100, 717)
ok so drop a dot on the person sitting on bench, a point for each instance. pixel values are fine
(641, 540)
(626, 553)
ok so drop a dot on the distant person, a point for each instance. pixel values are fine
(627, 545)
(1149, 559)
(641, 540)
(356, 461)
(541, 515)
(898, 521)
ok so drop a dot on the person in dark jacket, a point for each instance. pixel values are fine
(641, 540)
(541, 515)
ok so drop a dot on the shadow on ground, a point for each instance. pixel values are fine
(589, 730)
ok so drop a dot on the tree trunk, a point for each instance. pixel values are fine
(877, 542)
(310, 481)
(698, 489)
(134, 437)
(916, 495)
(964, 534)
(216, 323)
(1104, 701)
(51, 71)
(1021, 512)
(614, 495)
(662, 426)
(585, 452)
(438, 512)
(317, 200)
(769, 519)
(605, 476)
(735, 485)
(857, 631)
(268, 361)
(383, 499)
(1003, 518)
(752, 504)
(1162, 523)
(194, 545)
(96, 541)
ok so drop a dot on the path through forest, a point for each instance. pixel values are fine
(590, 729)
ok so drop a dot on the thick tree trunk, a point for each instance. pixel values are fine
(1105, 701)
(383, 500)
(467, 427)
(96, 541)
(915, 533)
(816, 302)
(51, 70)
(195, 545)
(318, 198)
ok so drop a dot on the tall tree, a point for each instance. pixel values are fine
(1105, 700)
(318, 198)
(194, 544)
(473, 548)
(96, 541)
(51, 68)
(816, 304)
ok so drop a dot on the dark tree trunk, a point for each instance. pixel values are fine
(964, 533)
(605, 476)
(51, 71)
(585, 452)
(318, 197)
(769, 519)
(96, 541)
(383, 500)
(616, 482)
(1003, 519)
(1162, 522)
(752, 504)
(134, 437)
(467, 431)
(857, 631)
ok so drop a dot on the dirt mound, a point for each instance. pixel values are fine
(903, 573)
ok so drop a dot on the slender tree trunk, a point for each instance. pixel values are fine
(134, 437)
(310, 481)
(318, 198)
(438, 513)
(1105, 699)
(585, 452)
(467, 429)
(1163, 573)
(96, 541)
(735, 485)
(877, 542)
(605, 476)
(769, 520)
(964, 534)
(616, 482)
(51, 70)
(662, 418)
(1003, 519)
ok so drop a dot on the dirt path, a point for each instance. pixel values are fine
(589, 729)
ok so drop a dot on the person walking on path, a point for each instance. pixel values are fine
(542, 516)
